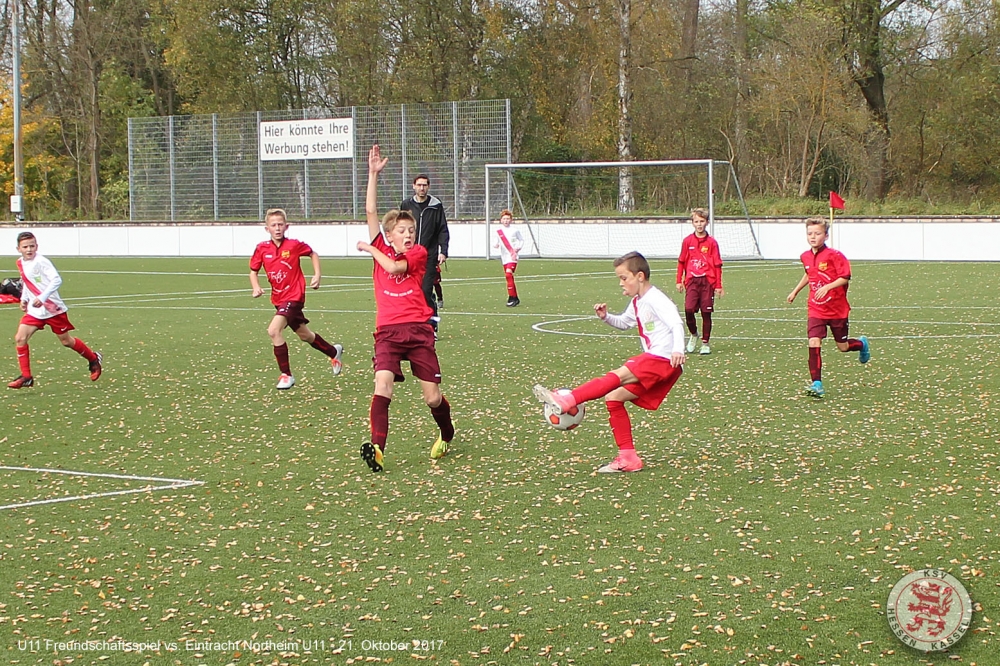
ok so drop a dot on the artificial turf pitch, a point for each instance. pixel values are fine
(768, 526)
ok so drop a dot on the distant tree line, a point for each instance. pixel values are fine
(872, 98)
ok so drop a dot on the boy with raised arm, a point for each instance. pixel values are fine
(403, 331)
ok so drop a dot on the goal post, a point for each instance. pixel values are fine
(570, 209)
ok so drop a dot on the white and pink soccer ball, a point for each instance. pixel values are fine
(566, 420)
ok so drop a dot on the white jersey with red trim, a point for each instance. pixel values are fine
(46, 282)
(514, 238)
(661, 330)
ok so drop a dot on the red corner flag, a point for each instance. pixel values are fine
(836, 201)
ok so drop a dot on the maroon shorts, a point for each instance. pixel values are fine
(292, 312)
(656, 377)
(699, 295)
(407, 342)
(58, 323)
(816, 328)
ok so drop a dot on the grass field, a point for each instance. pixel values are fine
(767, 528)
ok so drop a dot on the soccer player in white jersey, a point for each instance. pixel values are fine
(43, 307)
(509, 241)
(645, 379)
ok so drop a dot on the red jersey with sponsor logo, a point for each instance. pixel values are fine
(399, 299)
(281, 263)
(700, 257)
(822, 268)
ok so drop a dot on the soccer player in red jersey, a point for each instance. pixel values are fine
(403, 330)
(828, 273)
(699, 273)
(279, 257)
(42, 306)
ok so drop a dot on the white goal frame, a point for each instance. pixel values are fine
(708, 164)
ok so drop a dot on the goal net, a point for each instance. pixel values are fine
(606, 209)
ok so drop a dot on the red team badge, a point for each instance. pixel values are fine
(929, 610)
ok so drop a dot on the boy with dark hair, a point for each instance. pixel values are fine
(279, 258)
(828, 273)
(402, 314)
(644, 380)
(42, 306)
(699, 273)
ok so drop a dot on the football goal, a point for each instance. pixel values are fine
(605, 209)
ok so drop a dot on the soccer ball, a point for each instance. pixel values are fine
(566, 420)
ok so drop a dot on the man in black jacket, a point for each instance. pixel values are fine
(432, 233)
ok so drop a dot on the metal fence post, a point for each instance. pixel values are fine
(215, 165)
(354, 165)
(402, 141)
(509, 156)
(454, 143)
(260, 173)
(131, 175)
(173, 195)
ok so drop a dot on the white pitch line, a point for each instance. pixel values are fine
(541, 328)
(170, 484)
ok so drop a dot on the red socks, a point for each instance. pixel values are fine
(24, 355)
(281, 354)
(596, 388)
(621, 425)
(511, 289)
(24, 360)
(816, 364)
(379, 417)
(322, 345)
(442, 416)
(81, 348)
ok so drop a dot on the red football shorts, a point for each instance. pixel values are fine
(816, 328)
(510, 268)
(655, 375)
(58, 323)
(699, 295)
(413, 342)
(292, 312)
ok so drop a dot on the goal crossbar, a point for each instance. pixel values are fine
(708, 164)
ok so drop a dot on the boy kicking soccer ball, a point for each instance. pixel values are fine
(827, 272)
(402, 320)
(43, 307)
(644, 380)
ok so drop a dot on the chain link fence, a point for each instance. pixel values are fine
(207, 167)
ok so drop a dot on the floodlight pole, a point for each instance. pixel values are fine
(17, 199)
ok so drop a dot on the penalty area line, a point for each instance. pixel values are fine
(165, 484)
